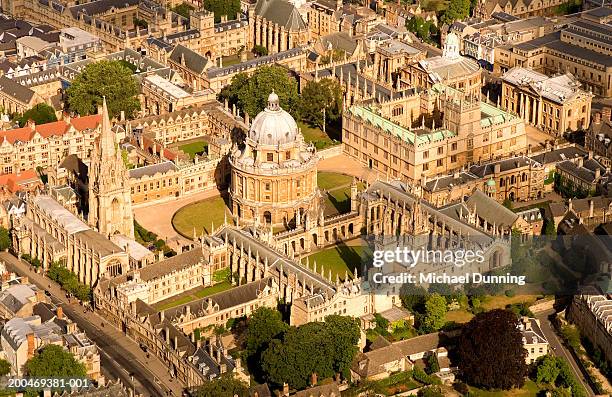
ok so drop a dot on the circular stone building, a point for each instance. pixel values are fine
(274, 177)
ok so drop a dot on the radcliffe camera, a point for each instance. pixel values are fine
(300, 198)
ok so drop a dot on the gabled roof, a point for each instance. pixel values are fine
(490, 210)
(191, 60)
(16, 90)
(281, 12)
(56, 128)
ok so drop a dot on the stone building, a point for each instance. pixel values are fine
(332, 16)
(450, 69)
(591, 311)
(16, 98)
(599, 136)
(470, 131)
(520, 9)
(274, 177)
(276, 25)
(580, 48)
(110, 205)
(51, 233)
(582, 176)
(534, 340)
(553, 104)
(391, 56)
(190, 65)
(517, 178)
(45, 145)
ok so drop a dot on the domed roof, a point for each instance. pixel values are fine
(273, 126)
(491, 182)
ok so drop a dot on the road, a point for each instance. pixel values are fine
(120, 356)
(559, 350)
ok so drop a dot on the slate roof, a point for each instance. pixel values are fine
(152, 169)
(484, 170)
(175, 263)
(586, 172)
(16, 90)
(561, 154)
(193, 61)
(281, 12)
(448, 181)
(490, 210)
(100, 6)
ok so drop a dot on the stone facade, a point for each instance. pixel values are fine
(553, 104)
(274, 177)
(471, 131)
(110, 205)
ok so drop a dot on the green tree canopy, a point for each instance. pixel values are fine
(435, 314)
(486, 338)
(40, 114)
(263, 326)
(183, 9)
(5, 367)
(251, 93)
(457, 9)
(223, 386)
(53, 360)
(104, 78)
(335, 344)
(231, 8)
(5, 239)
(317, 96)
(413, 297)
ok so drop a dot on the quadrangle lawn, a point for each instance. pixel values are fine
(194, 148)
(197, 293)
(330, 180)
(340, 260)
(320, 139)
(201, 215)
(530, 389)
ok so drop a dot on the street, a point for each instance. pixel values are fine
(559, 350)
(120, 356)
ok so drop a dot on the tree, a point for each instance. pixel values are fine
(230, 8)
(104, 78)
(430, 391)
(39, 114)
(413, 297)
(547, 370)
(5, 367)
(259, 50)
(263, 327)
(54, 361)
(5, 239)
(432, 364)
(486, 338)
(321, 102)
(223, 386)
(435, 313)
(344, 331)
(251, 93)
(335, 344)
(183, 9)
(457, 9)
(507, 203)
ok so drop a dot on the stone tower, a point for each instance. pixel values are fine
(110, 203)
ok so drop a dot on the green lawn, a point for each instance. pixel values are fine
(320, 139)
(529, 390)
(340, 259)
(213, 289)
(198, 293)
(459, 316)
(194, 148)
(200, 215)
(330, 180)
(231, 60)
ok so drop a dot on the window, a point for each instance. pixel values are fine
(268, 185)
(453, 158)
(426, 154)
(439, 163)
(288, 155)
(270, 157)
(440, 150)
(425, 167)
(454, 146)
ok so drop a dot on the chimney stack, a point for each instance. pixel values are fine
(31, 345)
(606, 113)
(597, 118)
(591, 208)
(313, 379)
(59, 313)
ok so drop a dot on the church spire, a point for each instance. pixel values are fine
(107, 139)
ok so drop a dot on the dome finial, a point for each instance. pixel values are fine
(273, 101)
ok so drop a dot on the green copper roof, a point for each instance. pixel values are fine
(405, 134)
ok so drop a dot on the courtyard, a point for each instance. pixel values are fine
(342, 259)
(194, 147)
(201, 215)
